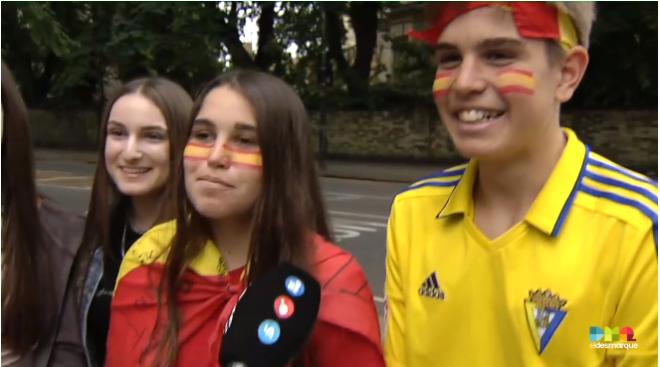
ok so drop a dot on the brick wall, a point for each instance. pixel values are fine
(627, 137)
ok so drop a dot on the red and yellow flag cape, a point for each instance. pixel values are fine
(208, 296)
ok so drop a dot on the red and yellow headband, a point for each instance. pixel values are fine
(533, 20)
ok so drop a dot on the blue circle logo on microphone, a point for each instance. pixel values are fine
(269, 332)
(294, 286)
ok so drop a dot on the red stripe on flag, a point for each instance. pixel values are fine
(232, 148)
(246, 165)
(443, 74)
(200, 145)
(515, 89)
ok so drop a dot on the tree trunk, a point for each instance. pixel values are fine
(266, 46)
(239, 56)
(364, 18)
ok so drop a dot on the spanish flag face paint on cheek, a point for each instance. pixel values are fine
(514, 80)
(443, 80)
(196, 151)
(244, 157)
(238, 157)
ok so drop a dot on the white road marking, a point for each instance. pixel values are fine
(58, 178)
(359, 196)
(65, 187)
(353, 214)
(354, 228)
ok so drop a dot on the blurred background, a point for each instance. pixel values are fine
(367, 86)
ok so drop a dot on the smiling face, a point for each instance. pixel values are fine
(222, 161)
(137, 146)
(495, 91)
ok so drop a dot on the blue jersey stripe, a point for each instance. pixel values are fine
(624, 172)
(432, 184)
(457, 172)
(625, 201)
(569, 202)
(624, 185)
(621, 200)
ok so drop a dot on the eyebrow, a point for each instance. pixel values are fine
(240, 126)
(501, 42)
(148, 127)
(490, 42)
(205, 122)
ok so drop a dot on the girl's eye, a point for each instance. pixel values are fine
(202, 136)
(245, 140)
(115, 132)
(159, 136)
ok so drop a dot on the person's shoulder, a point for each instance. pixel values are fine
(435, 185)
(65, 228)
(610, 189)
(336, 267)
(346, 298)
(153, 244)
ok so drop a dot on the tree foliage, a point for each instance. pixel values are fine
(64, 54)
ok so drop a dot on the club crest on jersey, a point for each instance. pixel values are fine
(431, 288)
(544, 315)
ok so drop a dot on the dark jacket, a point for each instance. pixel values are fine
(62, 234)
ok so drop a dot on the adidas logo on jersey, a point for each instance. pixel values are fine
(431, 288)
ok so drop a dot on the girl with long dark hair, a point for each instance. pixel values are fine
(39, 242)
(143, 130)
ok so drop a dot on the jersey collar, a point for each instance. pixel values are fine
(551, 207)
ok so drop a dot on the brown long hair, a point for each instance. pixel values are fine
(175, 104)
(290, 208)
(28, 304)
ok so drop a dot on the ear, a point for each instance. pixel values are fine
(572, 70)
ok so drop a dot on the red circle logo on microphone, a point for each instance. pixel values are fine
(283, 307)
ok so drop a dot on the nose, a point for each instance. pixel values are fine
(219, 157)
(469, 78)
(133, 150)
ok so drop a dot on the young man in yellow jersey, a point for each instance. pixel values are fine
(538, 252)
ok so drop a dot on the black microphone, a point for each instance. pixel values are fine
(272, 320)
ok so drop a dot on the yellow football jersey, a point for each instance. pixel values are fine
(573, 284)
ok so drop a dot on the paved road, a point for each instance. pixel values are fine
(358, 210)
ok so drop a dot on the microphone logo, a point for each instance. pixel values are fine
(284, 307)
(294, 286)
(269, 332)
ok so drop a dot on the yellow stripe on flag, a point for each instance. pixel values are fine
(197, 151)
(243, 157)
(507, 79)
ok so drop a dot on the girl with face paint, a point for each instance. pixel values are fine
(39, 241)
(250, 200)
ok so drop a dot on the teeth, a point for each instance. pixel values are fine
(476, 115)
(135, 170)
